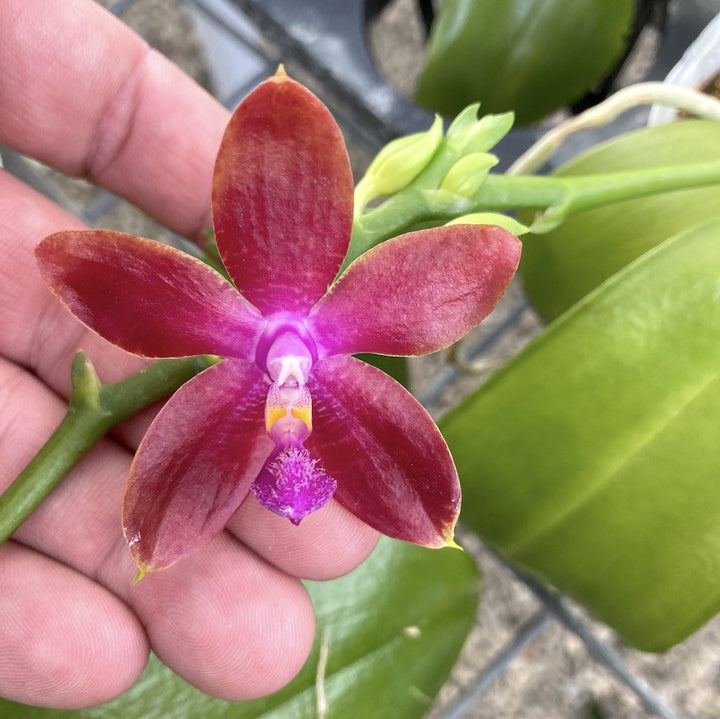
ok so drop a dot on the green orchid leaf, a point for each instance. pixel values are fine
(560, 267)
(591, 459)
(396, 367)
(530, 56)
(388, 635)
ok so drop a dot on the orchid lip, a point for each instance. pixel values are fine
(292, 484)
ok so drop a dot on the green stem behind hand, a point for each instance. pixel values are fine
(93, 410)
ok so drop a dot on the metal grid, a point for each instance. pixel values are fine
(242, 45)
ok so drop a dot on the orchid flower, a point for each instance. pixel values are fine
(287, 413)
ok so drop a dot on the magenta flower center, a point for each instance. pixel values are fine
(291, 482)
(289, 359)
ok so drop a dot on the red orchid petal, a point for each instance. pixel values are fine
(392, 466)
(282, 197)
(195, 465)
(146, 297)
(416, 293)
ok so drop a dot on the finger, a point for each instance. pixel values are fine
(225, 619)
(65, 641)
(228, 622)
(89, 652)
(326, 544)
(83, 93)
(35, 330)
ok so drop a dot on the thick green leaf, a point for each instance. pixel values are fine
(530, 56)
(562, 266)
(396, 367)
(591, 459)
(392, 630)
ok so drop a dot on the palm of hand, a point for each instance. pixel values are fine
(74, 631)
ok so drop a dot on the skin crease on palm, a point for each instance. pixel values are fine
(82, 93)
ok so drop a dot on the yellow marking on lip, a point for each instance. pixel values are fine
(272, 415)
(304, 414)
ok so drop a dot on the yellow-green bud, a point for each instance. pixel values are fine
(468, 134)
(463, 123)
(85, 382)
(491, 218)
(468, 174)
(398, 164)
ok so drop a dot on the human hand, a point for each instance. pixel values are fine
(82, 93)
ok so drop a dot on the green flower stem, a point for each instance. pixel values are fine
(93, 410)
(555, 197)
(409, 209)
(576, 194)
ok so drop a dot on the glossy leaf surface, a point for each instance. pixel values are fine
(562, 266)
(393, 630)
(529, 56)
(591, 459)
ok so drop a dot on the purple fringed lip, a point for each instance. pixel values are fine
(293, 484)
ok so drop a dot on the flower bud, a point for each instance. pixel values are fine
(85, 383)
(491, 218)
(398, 164)
(467, 134)
(468, 174)
(463, 123)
